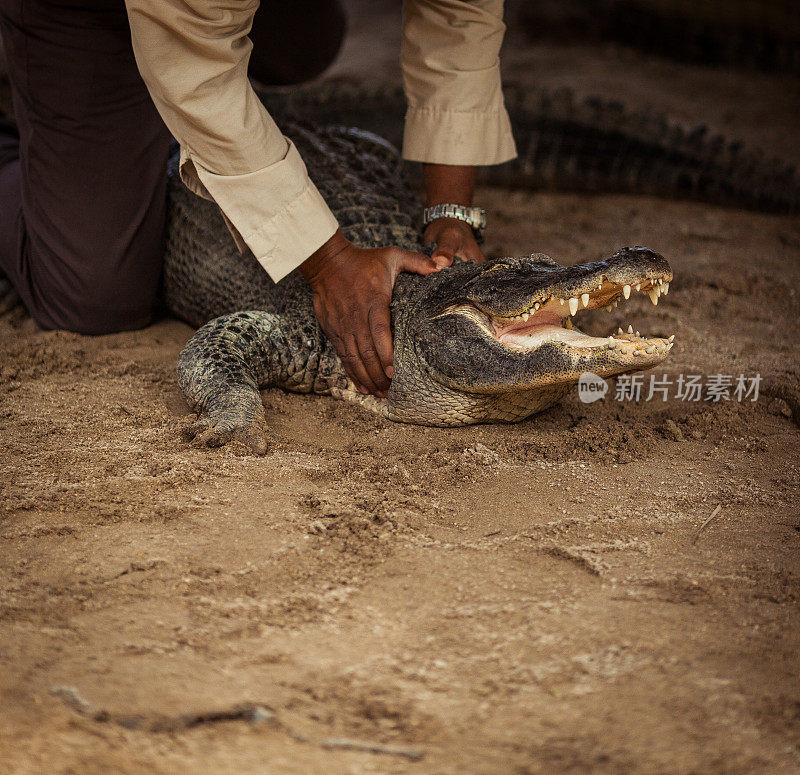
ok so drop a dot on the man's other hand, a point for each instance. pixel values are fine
(352, 292)
(450, 184)
(453, 239)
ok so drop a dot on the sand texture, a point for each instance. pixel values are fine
(608, 587)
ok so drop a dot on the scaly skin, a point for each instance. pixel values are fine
(735, 33)
(473, 343)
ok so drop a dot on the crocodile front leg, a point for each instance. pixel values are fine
(223, 366)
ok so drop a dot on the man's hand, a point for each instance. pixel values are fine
(352, 292)
(453, 184)
(453, 239)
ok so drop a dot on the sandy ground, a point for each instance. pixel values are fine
(539, 598)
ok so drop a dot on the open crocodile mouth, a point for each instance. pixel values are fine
(548, 319)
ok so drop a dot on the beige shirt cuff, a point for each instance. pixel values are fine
(276, 211)
(441, 136)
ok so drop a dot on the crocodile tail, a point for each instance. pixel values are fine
(590, 145)
(599, 145)
(734, 33)
(376, 107)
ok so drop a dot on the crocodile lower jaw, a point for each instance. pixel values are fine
(626, 343)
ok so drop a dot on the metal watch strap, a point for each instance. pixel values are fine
(475, 217)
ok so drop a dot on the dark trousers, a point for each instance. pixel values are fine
(83, 169)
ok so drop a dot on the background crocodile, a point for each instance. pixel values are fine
(569, 144)
(757, 34)
(473, 343)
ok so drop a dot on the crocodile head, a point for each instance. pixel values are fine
(495, 341)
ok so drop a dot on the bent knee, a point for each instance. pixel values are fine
(95, 306)
(92, 319)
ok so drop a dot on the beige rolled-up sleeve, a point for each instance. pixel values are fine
(451, 73)
(193, 56)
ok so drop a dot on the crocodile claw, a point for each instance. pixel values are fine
(203, 431)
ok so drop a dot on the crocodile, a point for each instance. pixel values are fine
(474, 342)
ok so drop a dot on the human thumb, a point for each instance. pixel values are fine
(445, 252)
(416, 262)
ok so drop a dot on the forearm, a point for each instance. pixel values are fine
(193, 56)
(449, 184)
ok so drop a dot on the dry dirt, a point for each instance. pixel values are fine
(544, 597)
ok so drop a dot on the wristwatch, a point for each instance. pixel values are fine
(475, 217)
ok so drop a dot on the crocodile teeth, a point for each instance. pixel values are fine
(665, 288)
(609, 307)
(638, 287)
(536, 307)
(525, 317)
(653, 294)
(573, 305)
(637, 335)
(672, 337)
(568, 324)
(619, 330)
(630, 329)
(585, 299)
(626, 291)
(561, 302)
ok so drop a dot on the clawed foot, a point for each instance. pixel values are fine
(204, 431)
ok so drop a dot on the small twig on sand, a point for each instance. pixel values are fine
(706, 523)
(358, 745)
(493, 533)
(249, 712)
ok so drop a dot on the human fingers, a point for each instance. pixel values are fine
(354, 364)
(470, 250)
(447, 246)
(329, 318)
(380, 324)
(459, 239)
(371, 361)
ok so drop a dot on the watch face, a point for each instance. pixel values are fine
(478, 218)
